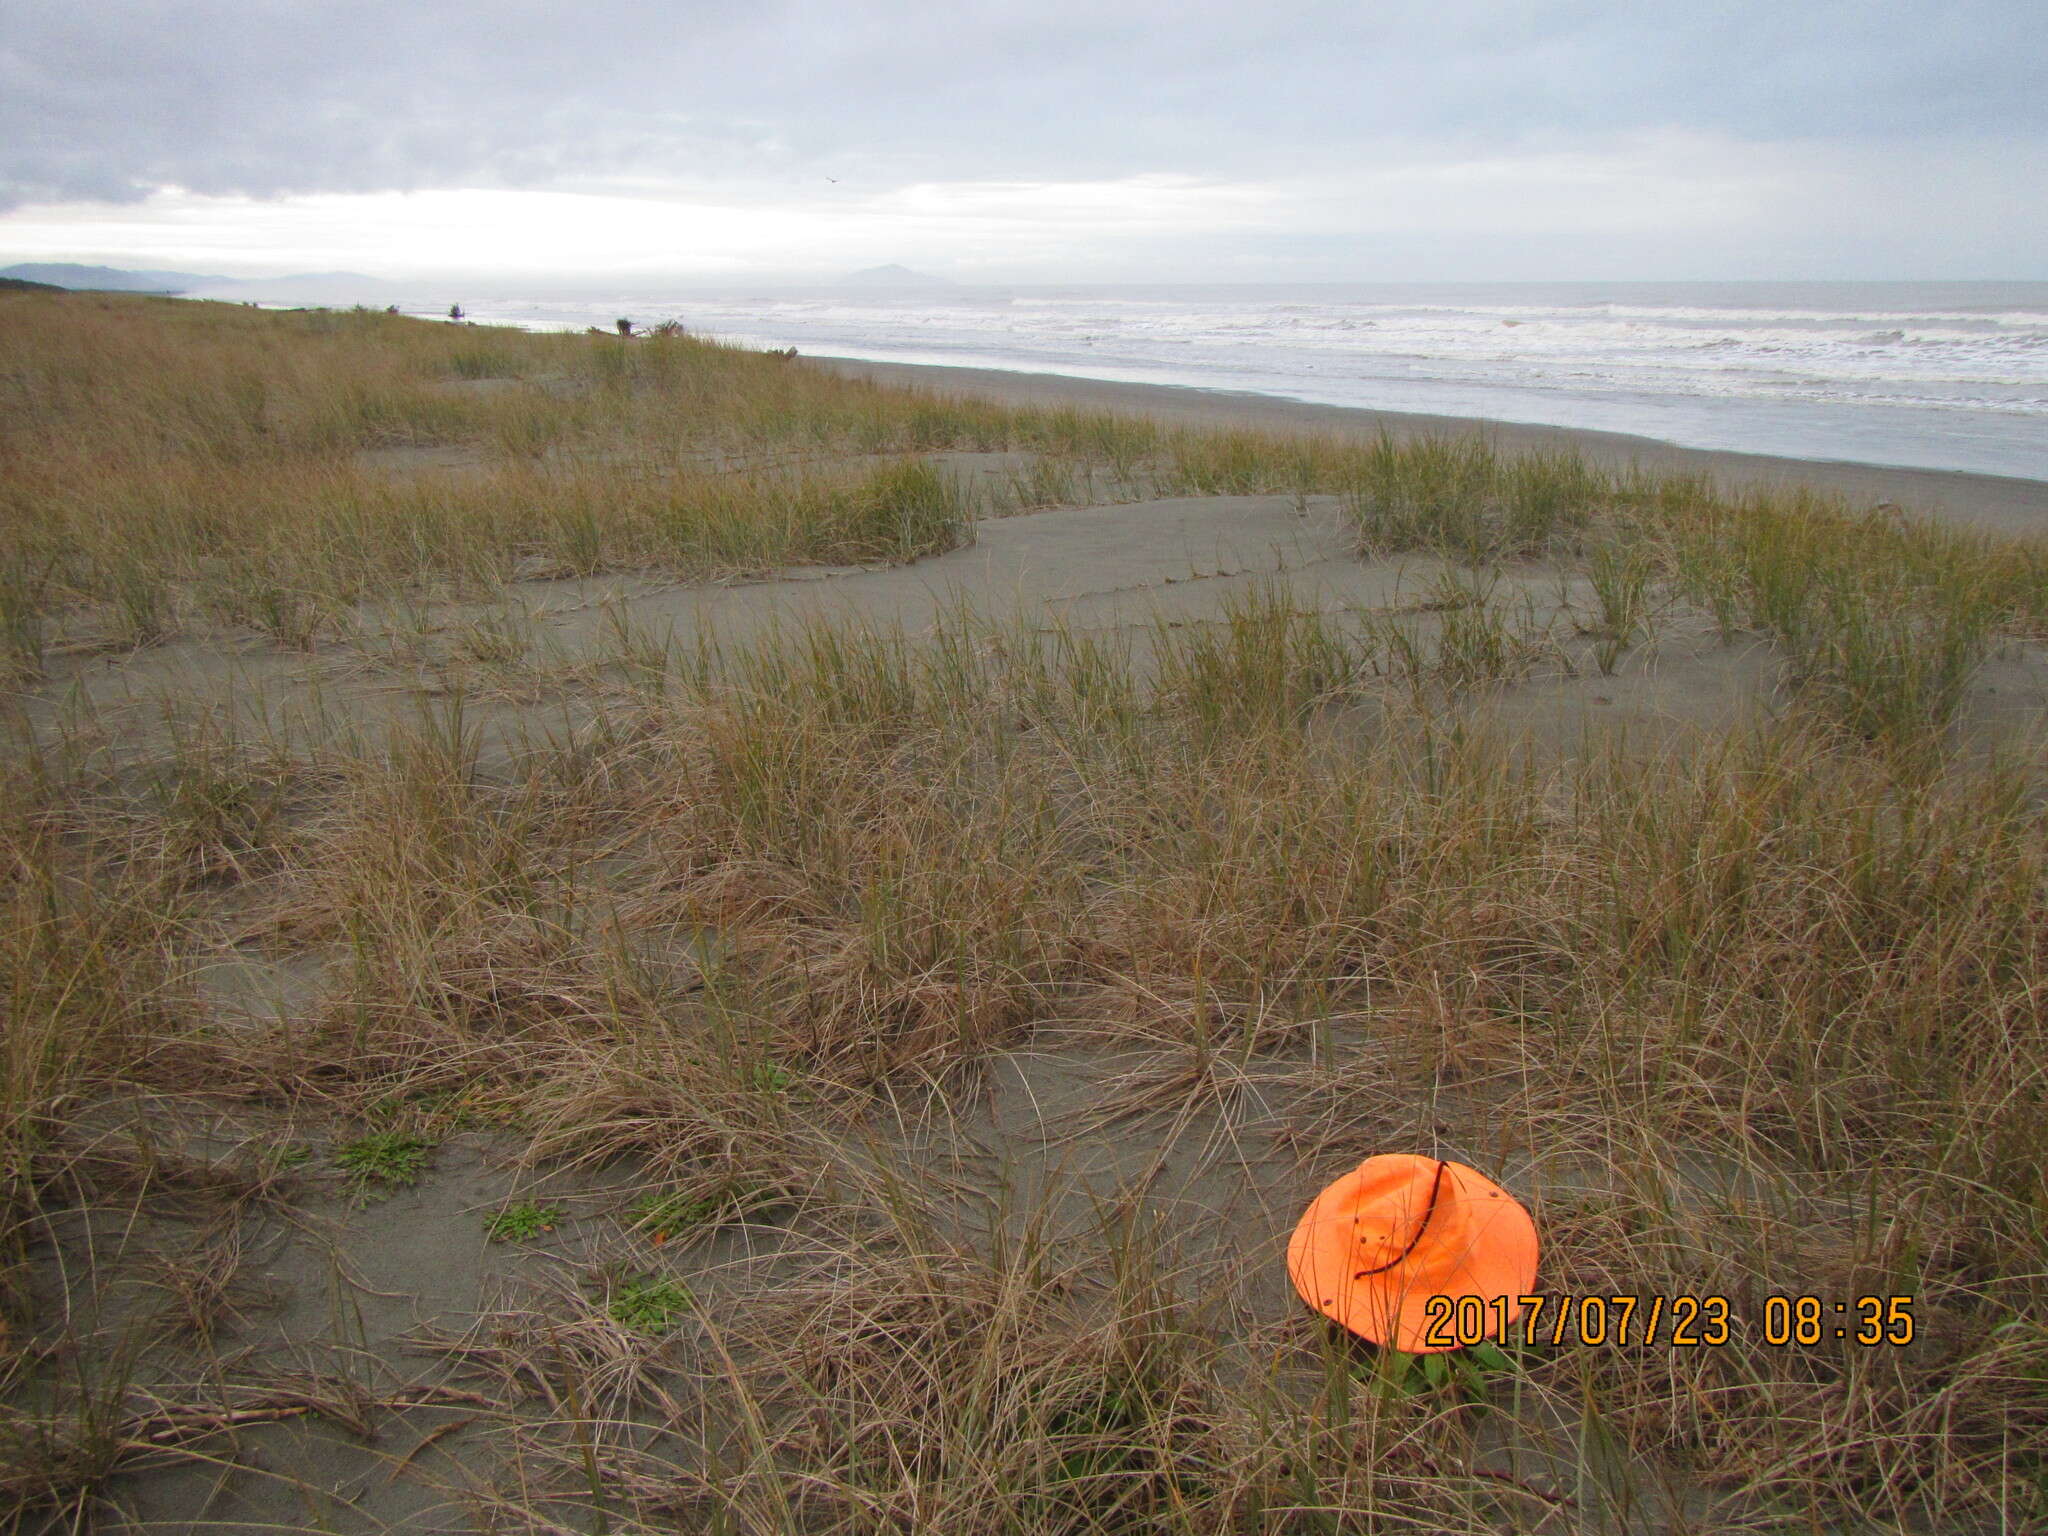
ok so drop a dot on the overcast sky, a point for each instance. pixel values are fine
(1057, 140)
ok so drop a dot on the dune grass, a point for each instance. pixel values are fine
(1759, 1017)
(173, 464)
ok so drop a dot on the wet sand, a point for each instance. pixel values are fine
(1994, 503)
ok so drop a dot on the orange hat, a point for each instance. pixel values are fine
(1374, 1247)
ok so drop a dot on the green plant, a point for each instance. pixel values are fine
(523, 1222)
(1432, 494)
(383, 1161)
(141, 598)
(1709, 571)
(1269, 663)
(23, 598)
(484, 360)
(1459, 499)
(497, 637)
(650, 1305)
(271, 591)
(1472, 1374)
(897, 512)
(1548, 499)
(1044, 481)
(664, 1216)
(1474, 644)
(1620, 574)
(282, 1157)
(1888, 666)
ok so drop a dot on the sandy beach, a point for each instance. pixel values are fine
(633, 934)
(1993, 503)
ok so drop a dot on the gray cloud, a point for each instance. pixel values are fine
(109, 99)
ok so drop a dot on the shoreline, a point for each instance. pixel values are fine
(1999, 504)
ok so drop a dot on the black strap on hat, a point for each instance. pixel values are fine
(1435, 1188)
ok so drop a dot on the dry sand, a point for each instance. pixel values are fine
(1129, 572)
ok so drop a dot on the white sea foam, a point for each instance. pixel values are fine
(1948, 375)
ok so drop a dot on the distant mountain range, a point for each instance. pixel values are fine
(66, 274)
(313, 287)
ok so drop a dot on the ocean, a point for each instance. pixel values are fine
(1931, 375)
